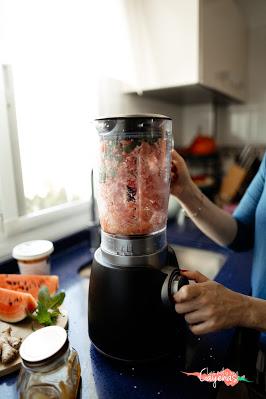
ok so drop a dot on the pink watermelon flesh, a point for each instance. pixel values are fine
(29, 283)
(15, 305)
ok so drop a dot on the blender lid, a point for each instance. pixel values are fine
(135, 125)
(134, 116)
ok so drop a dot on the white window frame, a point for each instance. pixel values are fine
(51, 223)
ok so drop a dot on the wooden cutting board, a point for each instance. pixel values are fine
(232, 182)
(23, 329)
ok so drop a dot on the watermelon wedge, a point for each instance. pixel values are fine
(14, 305)
(28, 283)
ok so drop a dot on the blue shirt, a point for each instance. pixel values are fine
(251, 218)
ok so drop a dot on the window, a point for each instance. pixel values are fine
(55, 53)
(56, 140)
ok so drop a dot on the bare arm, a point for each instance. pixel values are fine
(254, 313)
(210, 219)
(213, 221)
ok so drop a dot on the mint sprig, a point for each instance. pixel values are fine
(47, 310)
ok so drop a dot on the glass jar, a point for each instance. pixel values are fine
(50, 367)
(134, 173)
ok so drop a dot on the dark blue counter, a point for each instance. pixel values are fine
(105, 379)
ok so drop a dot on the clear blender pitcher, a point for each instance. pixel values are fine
(134, 173)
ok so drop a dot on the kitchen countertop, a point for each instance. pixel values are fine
(105, 379)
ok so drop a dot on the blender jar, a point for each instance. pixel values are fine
(134, 173)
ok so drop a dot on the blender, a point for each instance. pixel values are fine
(134, 272)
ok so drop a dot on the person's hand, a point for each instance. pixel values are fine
(207, 305)
(180, 178)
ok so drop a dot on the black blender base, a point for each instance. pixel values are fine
(128, 320)
(142, 360)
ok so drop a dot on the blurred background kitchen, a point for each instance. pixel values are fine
(201, 62)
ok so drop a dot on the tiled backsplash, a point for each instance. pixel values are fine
(245, 124)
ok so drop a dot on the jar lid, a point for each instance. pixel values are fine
(43, 344)
(30, 250)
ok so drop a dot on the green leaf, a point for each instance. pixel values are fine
(57, 300)
(42, 314)
(47, 310)
(44, 296)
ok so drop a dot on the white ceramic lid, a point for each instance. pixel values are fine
(31, 250)
(43, 343)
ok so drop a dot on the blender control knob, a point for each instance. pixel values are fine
(173, 282)
(178, 283)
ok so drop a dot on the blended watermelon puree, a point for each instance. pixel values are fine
(134, 184)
